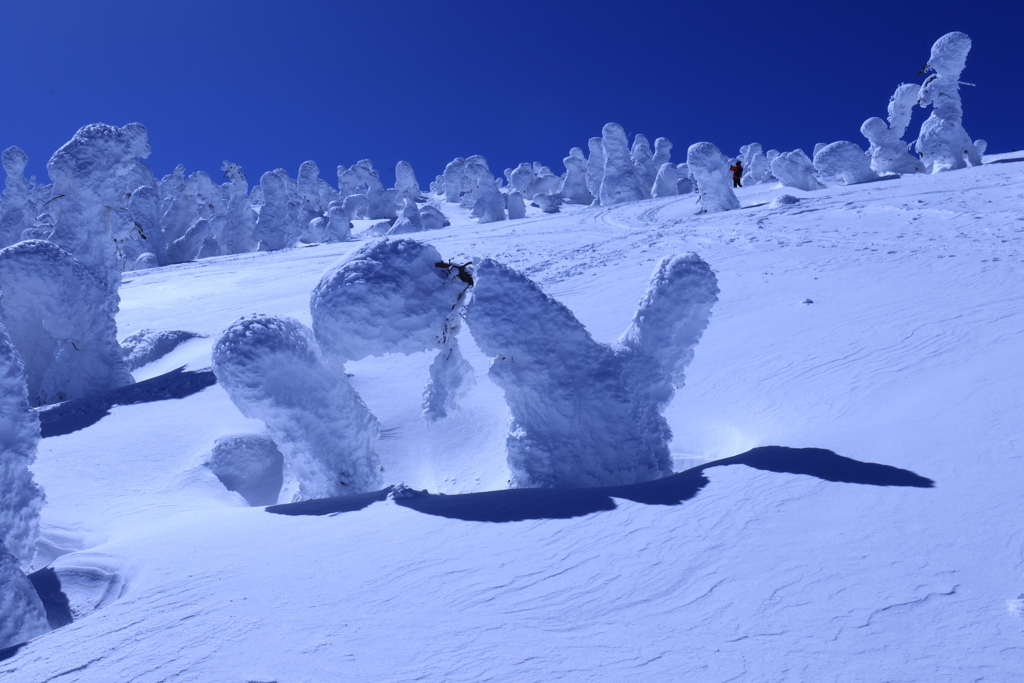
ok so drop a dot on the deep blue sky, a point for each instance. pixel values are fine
(272, 83)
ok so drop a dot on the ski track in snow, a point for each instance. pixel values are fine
(908, 356)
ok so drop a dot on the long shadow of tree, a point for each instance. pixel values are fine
(514, 505)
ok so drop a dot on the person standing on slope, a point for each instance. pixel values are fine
(737, 173)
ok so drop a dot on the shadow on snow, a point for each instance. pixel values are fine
(515, 505)
(70, 416)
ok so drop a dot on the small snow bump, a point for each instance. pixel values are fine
(807, 301)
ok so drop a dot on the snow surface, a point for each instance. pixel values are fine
(781, 565)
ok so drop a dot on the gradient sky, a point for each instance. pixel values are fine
(271, 84)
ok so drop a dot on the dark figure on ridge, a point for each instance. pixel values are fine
(737, 173)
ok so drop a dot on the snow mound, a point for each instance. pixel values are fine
(390, 296)
(272, 369)
(146, 346)
(783, 200)
(249, 464)
(60, 317)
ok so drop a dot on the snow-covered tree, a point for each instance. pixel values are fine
(276, 228)
(710, 170)
(405, 182)
(595, 166)
(574, 185)
(22, 616)
(239, 220)
(887, 150)
(395, 296)
(409, 220)
(60, 316)
(584, 413)
(794, 169)
(662, 152)
(619, 183)
(88, 194)
(756, 167)
(943, 143)
(432, 218)
(666, 184)
(515, 205)
(453, 179)
(21, 499)
(643, 162)
(272, 369)
(843, 163)
(389, 296)
(18, 209)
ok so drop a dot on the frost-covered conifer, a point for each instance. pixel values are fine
(673, 313)
(437, 187)
(390, 296)
(888, 152)
(843, 163)
(685, 184)
(276, 228)
(60, 317)
(339, 227)
(382, 204)
(595, 166)
(583, 413)
(516, 206)
(666, 184)
(272, 369)
(18, 209)
(574, 186)
(794, 169)
(405, 182)
(409, 221)
(239, 219)
(662, 152)
(88, 197)
(548, 203)
(145, 206)
(22, 616)
(309, 208)
(21, 499)
(619, 183)
(521, 179)
(643, 161)
(453, 179)
(451, 375)
(710, 170)
(943, 143)
(361, 178)
(756, 168)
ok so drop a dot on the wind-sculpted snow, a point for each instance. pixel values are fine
(250, 464)
(60, 317)
(22, 616)
(87, 175)
(710, 170)
(20, 498)
(843, 163)
(146, 346)
(619, 182)
(583, 413)
(272, 369)
(390, 296)
(673, 313)
(795, 169)
(887, 150)
(943, 143)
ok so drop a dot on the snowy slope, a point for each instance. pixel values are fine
(909, 356)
